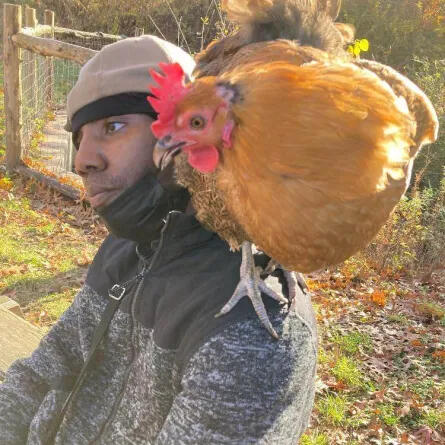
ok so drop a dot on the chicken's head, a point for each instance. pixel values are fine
(194, 118)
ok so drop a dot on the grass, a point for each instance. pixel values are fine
(386, 413)
(65, 76)
(347, 372)
(397, 318)
(380, 368)
(352, 342)
(43, 253)
(314, 439)
(433, 418)
(332, 409)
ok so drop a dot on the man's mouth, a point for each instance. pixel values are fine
(100, 198)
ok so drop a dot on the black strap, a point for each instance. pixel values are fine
(116, 294)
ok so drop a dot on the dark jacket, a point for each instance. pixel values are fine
(168, 371)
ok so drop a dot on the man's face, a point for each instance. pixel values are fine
(113, 154)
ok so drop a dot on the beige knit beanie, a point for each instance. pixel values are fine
(122, 67)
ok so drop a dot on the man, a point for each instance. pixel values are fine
(167, 371)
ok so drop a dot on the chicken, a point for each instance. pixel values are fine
(294, 148)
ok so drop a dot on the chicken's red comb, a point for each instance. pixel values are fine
(171, 88)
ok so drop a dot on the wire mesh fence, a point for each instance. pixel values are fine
(46, 82)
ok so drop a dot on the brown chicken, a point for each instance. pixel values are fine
(291, 147)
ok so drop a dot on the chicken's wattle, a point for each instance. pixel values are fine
(204, 159)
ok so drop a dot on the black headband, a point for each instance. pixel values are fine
(117, 105)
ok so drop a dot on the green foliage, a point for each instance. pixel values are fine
(358, 46)
(424, 387)
(191, 25)
(398, 318)
(429, 75)
(64, 79)
(346, 371)
(398, 29)
(322, 356)
(433, 418)
(387, 414)
(413, 238)
(409, 35)
(332, 409)
(351, 343)
(314, 439)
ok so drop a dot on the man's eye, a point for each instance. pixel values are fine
(112, 127)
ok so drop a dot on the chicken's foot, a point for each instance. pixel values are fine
(252, 285)
(292, 278)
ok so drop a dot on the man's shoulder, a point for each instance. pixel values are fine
(241, 330)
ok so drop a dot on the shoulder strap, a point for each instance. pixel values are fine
(116, 294)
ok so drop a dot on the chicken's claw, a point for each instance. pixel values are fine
(252, 285)
(292, 278)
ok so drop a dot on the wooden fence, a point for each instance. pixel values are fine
(22, 33)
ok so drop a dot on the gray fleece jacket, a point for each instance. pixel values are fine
(168, 371)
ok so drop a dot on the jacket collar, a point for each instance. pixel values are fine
(180, 233)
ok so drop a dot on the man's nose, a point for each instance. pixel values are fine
(89, 157)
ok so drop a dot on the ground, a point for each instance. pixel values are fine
(46, 244)
(381, 373)
(381, 353)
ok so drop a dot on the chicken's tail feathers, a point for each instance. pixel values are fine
(246, 12)
(308, 22)
(260, 11)
(420, 107)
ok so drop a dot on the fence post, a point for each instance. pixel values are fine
(49, 20)
(31, 22)
(30, 17)
(12, 24)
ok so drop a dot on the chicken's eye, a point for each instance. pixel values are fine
(197, 122)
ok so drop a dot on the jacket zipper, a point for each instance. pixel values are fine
(133, 333)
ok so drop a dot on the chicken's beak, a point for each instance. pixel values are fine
(165, 150)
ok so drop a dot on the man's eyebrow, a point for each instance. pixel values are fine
(119, 117)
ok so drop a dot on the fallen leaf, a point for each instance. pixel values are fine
(440, 355)
(404, 410)
(378, 297)
(404, 438)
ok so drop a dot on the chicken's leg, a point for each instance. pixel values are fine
(252, 285)
(292, 278)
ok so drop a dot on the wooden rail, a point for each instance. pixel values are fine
(53, 48)
(66, 32)
(65, 189)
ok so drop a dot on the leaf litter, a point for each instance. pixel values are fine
(380, 376)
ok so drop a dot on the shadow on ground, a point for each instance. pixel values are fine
(29, 290)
